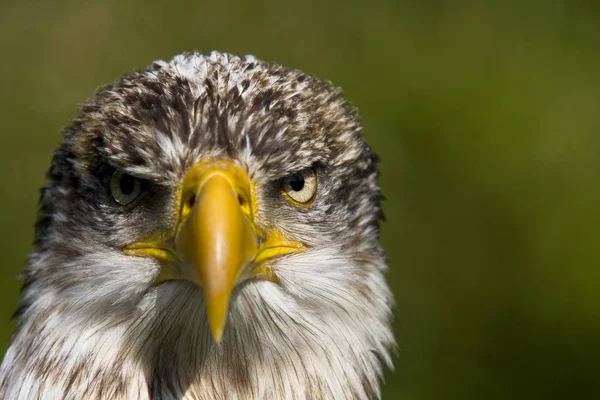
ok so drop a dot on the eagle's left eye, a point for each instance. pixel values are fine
(124, 188)
(301, 187)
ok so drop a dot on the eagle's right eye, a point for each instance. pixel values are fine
(124, 188)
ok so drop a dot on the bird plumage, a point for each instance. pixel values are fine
(91, 323)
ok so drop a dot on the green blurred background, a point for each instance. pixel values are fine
(486, 118)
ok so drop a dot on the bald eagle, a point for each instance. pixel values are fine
(209, 230)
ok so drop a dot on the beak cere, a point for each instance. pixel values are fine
(215, 238)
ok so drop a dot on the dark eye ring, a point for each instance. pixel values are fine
(124, 187)
(300, 187)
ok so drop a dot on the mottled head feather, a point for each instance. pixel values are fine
(91, 325)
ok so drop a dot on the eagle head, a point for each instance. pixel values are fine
(209, 230)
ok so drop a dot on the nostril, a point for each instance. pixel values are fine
(241, 200)
(190, 201)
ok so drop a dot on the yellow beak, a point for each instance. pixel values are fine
(216, 243)
(216, 239)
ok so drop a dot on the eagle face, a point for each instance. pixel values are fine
(209, 230)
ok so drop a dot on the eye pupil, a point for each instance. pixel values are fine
(296, 183)
(127, 184)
